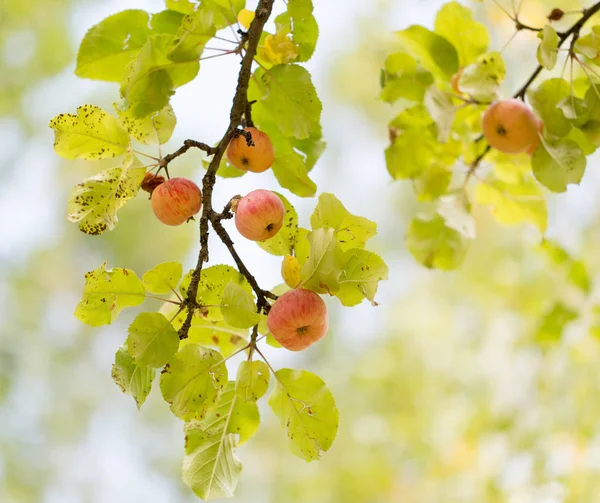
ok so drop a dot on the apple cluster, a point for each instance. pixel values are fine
(298, 318)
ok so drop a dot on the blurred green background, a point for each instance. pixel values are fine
(454, 389)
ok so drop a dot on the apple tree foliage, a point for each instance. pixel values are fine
(214, 311)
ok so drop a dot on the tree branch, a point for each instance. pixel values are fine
(238, 108)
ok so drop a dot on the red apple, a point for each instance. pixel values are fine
(298, 319)
(176, 200)
(256, 158)
(259, 215)
(510, 126)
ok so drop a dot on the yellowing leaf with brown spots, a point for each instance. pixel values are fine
(95, 201)
(154, 128)
(92, 134)
(106, 293)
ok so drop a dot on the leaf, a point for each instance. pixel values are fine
(238, 307)
(361, 276)
(151, 79)
(166, 22)
(183, 6)
(245, 18)
(435, 53)
(404, 77)
(210, 467)
(109, 46)
(455, 23)
(163, 278)
(544, 101)
(152, 340)
(515, 203)
(94, 203)
(92, 134)
(291, 172)
(311, 148)
(302, 246)
(196, 29)
(217, 334)
(252, 380)
(192, 381)
(441, 109)
(289, 98)
(154, 128)
(557, 163)
(321, 271)
(553, 323)
(135, 380)
(351, 231)
(574, 270)
(456, 213)
(481, 80)
(547, 52)
(589, 45)
(434, 244)
(278, 49)
(283, 242)
(306, 408)
(212, 285)
(106, 293)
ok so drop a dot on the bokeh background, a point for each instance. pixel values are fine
(445, 393)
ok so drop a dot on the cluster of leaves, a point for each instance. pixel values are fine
(442, 81)
(190, 339)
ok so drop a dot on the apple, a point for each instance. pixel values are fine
(298, 319)
(290, 271)
(510, 126)
(259, 215)
(176, 200)
(256, 158)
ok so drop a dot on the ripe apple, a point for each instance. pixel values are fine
(290, 271)
(259, 215)
(256, 158)
(298, 319)
(510, 126)
(176, 200)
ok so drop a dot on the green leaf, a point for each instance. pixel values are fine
(106, 293)
(283, 242)
(547, 52)
(515, 203)
(210, 467)
(432, 183)
(92, 134)
(456, 212)
(133, 379)
(252, 380)
(166, 22)
(361, 276)
(544, 101)
(305, 30)
(350, 230)
(302, 246)
(154, 128)
(109, 46)
(163, 278)
(288, 97)
(306, 408)
(441, 108)
(152, 340)
(212, 285)
(322, 270)
(192, 381)
(455, 23)
(196, 29)
(94, 203)
(553, 323)
(291, 172)
(312, 147)
(217, 334)
(183, 6)
(151, 79)
(414, 151)
(574, 270)
(435, 53)
(434, 244)
(557, 163)
(404, 78)
(223, 12)
(481, 80)
(589, 45)
(238, 307)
